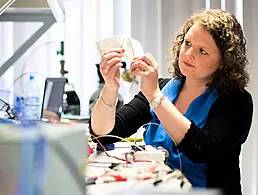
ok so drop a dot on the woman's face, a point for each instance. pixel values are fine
(199, 56)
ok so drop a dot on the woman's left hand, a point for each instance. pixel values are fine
(146, 67)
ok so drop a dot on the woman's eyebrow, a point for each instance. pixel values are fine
(200, 45)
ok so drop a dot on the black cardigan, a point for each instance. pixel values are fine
(218, 143)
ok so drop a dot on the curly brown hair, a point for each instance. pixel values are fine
(228, 35)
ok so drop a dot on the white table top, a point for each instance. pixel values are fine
(102, 161)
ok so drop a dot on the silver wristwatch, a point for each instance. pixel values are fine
(156, 101)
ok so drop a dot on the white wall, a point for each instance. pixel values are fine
(155, 24)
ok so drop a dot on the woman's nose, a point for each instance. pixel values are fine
(190, 54)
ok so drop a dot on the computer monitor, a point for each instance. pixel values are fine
(53, 98)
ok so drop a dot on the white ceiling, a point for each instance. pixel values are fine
(30, 3)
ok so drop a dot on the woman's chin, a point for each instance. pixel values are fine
(185, 72)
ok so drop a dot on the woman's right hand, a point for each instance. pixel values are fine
(110, 68)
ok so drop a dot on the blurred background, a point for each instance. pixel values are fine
(33, 42)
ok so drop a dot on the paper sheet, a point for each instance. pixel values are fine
(132, 47)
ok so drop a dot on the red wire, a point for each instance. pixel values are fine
(104, 149)
(115, 157)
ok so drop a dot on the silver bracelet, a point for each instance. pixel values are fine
(110, 107)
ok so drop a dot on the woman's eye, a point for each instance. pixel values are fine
(187, 43)
(203, 51)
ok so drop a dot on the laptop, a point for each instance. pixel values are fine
(53, 99)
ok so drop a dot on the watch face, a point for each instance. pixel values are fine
(154, 103)
(157, 101)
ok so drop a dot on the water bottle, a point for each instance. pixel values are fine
(32, 100)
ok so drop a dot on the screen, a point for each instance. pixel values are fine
(53, 98)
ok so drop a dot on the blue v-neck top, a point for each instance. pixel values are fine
(197, 112)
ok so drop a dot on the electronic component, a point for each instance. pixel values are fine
(148, 153)
(138, 147)
(12, 113)
(106, 146)
(129, 156)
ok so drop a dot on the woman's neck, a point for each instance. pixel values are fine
(194, 86)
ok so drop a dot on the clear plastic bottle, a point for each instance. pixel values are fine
(32, 100)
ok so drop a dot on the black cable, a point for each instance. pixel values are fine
(4, 106)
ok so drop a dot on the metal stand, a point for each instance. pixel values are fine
(44, 15)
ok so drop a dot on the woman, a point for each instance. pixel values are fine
(204, 110)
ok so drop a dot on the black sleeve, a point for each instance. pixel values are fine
(227, 127)
(130, 117)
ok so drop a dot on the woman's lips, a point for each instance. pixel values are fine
(188, 65)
